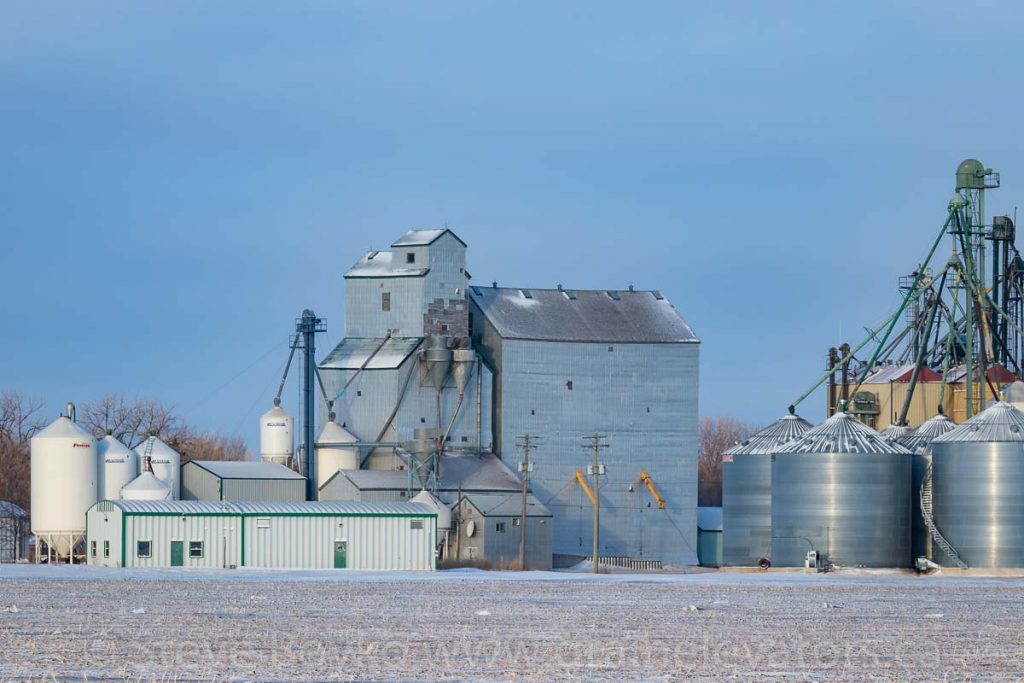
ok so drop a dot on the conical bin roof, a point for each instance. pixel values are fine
(768, 440)
(999, 422)
(842, 433)
(931, 428)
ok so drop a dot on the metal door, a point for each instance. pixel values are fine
(340, 554)
(177, 553)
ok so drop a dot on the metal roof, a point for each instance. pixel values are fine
(999, 422)
(896, 432)
(472, 473)
(841, 433)
(582, 315)
(247, 469)
(422, 238)
(9, 509)
(201, 507)
(380, 264)
(768, 440)
(352, 352)
(927, 432)
(709, 518)
(506, 505)
(901, 373)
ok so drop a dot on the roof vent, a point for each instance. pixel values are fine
(476, 290)
(569, 294)
(494, 285)
(370, 255)
(526, 293)
(658, 295)
(614, 296)
(631, 288)
(559, 286)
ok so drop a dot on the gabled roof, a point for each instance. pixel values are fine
(380, 264)
(605, 316)
(506, 505)
(901, 373)
(352, 352)
(472, 473)
(247, 469)
(422, 238)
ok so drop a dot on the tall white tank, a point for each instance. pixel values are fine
(332, 454)
(118, 466)
(166, 463)
(277, 435)
(64, 471)
(146, 487)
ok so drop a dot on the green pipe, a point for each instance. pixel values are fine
(911, 295)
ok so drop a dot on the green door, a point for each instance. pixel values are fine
(340, 554)
(177, 553)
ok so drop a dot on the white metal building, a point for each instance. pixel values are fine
(241, 481)
(284, 535)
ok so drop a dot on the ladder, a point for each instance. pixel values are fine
(929, 521)
(147, 462)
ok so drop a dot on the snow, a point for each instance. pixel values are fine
(85, 623)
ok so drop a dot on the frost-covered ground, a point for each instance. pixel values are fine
(63, 623)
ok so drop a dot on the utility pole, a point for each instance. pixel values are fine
(597, 442)
(527, 443)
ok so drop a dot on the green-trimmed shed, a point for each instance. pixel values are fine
(289, 535)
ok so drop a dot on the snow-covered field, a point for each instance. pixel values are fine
(64, 623)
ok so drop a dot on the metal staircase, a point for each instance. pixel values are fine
(929, 521)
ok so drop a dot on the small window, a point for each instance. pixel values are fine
(568, 385)
(106, 548)
(195, 549)
(465, 439)
(610, 349)
(416, 524)
(143, 549)
(403, 494)
(385, 301)
(92, 548)
(359, 392)
(533, 412)
(499, 527)
(263, 522)
(410, 257)
(517, 521)
(444, 327)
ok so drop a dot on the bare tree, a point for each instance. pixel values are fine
(20, 419)
(716, 435)
(208, 446)
(129, 421)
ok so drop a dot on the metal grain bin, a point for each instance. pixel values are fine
(978, 489)
(843, 491)
(919, 442)
(747, 492)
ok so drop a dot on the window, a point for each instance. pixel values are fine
(465, 439)
(385, 301)
(416, 524)
(263, 522)
(143, 548)
(500, 527)
(195, 549)
(568, 385)
(410, 257)
(517, 521)
(92, 548)
(106, 548)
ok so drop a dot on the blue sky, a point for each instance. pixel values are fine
(179, 180)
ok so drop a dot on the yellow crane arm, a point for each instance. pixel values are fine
(586, 488)
(646, 479)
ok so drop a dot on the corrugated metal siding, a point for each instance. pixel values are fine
(103, 523)
(369, 400)
(264, 489)
(363, 314)
(214, 531)
(198, 483)
(374, 543)
(644, 397)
